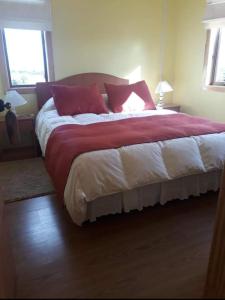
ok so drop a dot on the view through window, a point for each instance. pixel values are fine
(216, 57)
(26, 58)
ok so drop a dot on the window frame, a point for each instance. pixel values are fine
(5, 70)
(212, 84)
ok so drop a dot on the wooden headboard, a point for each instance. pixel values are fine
(43, 89)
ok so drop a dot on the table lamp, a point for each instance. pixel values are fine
(162, 88)
(10, 101)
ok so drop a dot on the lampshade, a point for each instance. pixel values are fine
(14, 98)
(163, 87)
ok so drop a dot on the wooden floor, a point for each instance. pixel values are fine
(160, 252)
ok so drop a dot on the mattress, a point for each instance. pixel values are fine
(115, 179)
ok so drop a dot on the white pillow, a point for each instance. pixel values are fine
(133, 103)
(49, 105)
(106, 100)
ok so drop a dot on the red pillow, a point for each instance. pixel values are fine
(73, 100)
(119, 94)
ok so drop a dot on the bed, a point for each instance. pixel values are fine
(129, 177)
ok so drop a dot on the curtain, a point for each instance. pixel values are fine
(26, 14)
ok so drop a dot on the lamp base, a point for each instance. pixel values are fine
(161, 102)
(12, 127)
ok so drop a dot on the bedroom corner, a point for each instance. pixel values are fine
(112, 147)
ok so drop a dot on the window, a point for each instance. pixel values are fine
(215, 58)
(27, 58)
(219, 58)
(214, 63)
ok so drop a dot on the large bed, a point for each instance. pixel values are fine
(129, 177)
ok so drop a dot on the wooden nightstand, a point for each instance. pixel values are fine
(28, 146)
(172, 106)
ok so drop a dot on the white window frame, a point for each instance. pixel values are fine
(210, 61)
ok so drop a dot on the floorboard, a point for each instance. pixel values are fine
(161, 252)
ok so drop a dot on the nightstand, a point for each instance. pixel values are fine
(28, 146)
(172, 106)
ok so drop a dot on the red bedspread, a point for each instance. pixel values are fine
(68, 141)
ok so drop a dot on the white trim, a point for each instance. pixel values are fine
(212, 2)
(214, 23)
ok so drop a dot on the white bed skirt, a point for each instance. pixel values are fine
(150, 195)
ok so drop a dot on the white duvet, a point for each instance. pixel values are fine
(105, 172)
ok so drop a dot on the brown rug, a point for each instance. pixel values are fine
(23, 179)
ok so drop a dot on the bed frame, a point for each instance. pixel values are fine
(43, 89)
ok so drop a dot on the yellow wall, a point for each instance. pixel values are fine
(1, 93)
(110, 36)
(29, 108)
(1, 87)
(189, 56)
